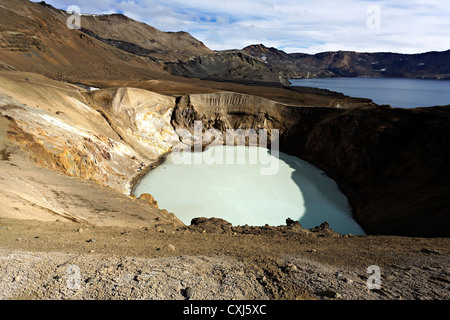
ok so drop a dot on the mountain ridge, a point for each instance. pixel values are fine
(432, 64)
(34, 37)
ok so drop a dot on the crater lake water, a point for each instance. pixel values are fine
(400, 93)
(254, 188)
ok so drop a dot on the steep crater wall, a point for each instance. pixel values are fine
(392, 164)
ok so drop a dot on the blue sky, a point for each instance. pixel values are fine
(308, 26)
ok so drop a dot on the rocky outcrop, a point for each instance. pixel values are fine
(140, 117)
(19, 41)
(230, 110)
(222, 66)
(149, 198)
(210, 225)
(280, 61)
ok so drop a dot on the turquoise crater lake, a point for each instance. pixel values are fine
(396, 92)
(248, 185)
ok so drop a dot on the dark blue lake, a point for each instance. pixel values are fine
(401, 93)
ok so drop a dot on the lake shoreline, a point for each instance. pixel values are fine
(251, 190)
(405, 93)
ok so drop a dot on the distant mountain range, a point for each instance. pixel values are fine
(34, 37)
(434, 65)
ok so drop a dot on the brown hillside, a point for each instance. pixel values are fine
(34, 38)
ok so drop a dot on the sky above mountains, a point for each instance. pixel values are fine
(310, 26)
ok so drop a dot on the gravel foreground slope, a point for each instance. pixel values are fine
(52, 261)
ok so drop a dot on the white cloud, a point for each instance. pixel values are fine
(293, 25)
